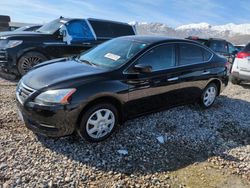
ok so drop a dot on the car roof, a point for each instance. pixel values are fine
(156, 39)
(207, 39)
(91, 19)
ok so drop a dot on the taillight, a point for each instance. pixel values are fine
(242, 55)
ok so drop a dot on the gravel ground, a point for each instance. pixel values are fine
(181, 147)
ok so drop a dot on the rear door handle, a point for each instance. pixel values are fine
(205, 72)
(173, 79)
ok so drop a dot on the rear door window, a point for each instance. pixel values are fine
(219, 46)
(191, 54)
(159, 58)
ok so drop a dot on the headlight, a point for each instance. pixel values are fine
(60, 96)
(13, 43)
(3, 43)
(9, 43)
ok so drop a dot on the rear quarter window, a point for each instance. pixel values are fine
(206, 55)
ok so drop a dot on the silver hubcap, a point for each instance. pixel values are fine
(29, 62)
(209, 96)
(100, 123)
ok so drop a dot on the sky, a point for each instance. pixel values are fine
(171, 12)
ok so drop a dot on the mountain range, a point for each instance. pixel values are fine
(237, 34)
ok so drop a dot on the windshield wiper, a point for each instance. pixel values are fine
(84, 61)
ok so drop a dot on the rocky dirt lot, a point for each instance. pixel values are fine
(181, 147)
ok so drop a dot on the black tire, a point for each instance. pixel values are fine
(28, 60)
(235, 81)
(203, 102)
(82, 129)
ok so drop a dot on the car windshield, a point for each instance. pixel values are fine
(113, 53)
(51, 27)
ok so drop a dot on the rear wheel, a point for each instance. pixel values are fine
(28, 60)
(209, 95)
(235, 81)
(98, 122)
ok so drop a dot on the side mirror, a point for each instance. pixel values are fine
(142, 68)
(63, 33)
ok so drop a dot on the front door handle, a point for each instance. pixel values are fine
(205, 72)
(173, 79)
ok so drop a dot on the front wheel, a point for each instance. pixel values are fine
(28, 60)
(98, 122)
(209, 95)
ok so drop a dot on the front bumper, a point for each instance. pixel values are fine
(51, 121)
(8, 60)
(3, 58)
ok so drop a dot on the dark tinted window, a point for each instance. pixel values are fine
(219, 46)
(247, 48)
(159, 58)
(190, 54)
(104, 29)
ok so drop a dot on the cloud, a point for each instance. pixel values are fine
(171, 12)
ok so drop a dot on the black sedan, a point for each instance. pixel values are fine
(118, 80)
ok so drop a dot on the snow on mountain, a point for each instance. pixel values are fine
(194, 26)
(231, 28)
(240, 32)
(241, 28)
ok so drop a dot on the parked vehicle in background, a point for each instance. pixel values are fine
(240, 47)
(118, 80)
(4, 23)
(28, 28)
(241, 66)
(20, 29)
(63, 37)
(220, 46)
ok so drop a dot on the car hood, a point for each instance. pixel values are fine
(22, 34)
(58, 71)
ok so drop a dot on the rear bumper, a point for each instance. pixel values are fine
(241, 75)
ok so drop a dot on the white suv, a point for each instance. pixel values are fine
(241, 66)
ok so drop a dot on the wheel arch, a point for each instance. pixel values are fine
(28, 50)
(103, 99)
(217, 82)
